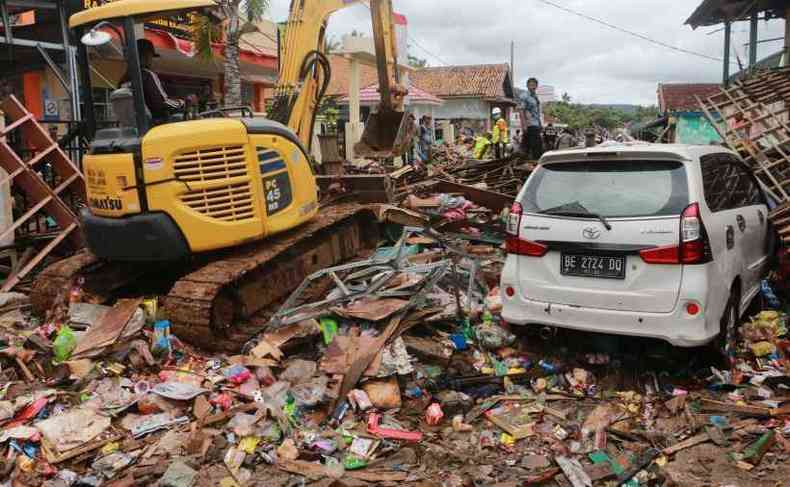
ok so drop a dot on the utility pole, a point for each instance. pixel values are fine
(513, 66)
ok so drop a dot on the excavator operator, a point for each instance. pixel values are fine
(159, 104)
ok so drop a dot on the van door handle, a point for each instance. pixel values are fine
(741, 223)
(730, 237)
(761, 217)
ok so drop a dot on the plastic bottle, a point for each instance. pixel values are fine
(329, 329)
(548, 367)
(769, 295)
(160, 343)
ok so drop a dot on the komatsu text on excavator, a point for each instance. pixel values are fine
(231, 198)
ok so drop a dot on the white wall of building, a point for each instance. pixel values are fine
(471, 108)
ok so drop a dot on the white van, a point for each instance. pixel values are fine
(650, 240)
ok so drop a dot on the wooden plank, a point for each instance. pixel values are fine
(14, 279)
(703, 437)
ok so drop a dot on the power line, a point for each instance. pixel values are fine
(630, 32)
(442, 61)
(414, 40)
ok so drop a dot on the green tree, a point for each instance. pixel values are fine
(240, 16)
(332, 44)
(579, 116)
(417, 63)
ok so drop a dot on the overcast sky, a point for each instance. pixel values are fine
(593, 63)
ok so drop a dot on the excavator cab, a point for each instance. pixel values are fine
(167, 187)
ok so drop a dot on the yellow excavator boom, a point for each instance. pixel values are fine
(305, 72)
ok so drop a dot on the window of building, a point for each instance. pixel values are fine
(248, 95)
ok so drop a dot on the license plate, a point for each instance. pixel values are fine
(607, 267)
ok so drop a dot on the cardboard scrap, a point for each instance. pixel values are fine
(282, 336)
(265, 349)
(72, 428)
(342, 351)
(372, 309)
(514, 419)
(574, 472)
(108, 329)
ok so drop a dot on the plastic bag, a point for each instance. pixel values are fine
(311, 393)
(492, 336)
(65, 343)
(299, 371)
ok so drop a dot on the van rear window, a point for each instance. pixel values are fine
(609, 188)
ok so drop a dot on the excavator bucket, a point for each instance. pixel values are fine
(388, 133)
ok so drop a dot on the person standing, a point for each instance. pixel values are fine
(549, 137)
(426, 139)
(501, 136)
(531, 115)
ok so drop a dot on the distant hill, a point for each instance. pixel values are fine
(616, 106)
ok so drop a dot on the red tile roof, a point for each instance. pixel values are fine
(340, 82)
(679, 97)
(416, 96)
(482, 80)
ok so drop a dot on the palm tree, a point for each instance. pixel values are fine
(239, 17)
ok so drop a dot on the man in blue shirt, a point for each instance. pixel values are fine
(530, 106)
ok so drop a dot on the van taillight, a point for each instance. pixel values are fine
(514, 219)
(517, 246)
(693, 245)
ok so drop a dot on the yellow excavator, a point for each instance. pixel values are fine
(222, 205)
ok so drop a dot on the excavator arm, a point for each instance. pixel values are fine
(305, 73)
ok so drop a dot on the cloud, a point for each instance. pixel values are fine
(593, 63)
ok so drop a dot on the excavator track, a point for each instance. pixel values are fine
(210, 306)
(214, 296)
(98, 280)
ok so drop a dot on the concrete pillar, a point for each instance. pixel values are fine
(353, 91)
(354, 127)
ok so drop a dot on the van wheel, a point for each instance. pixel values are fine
(727, 341)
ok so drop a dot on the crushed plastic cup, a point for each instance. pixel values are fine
(434, 414)
(359, 400)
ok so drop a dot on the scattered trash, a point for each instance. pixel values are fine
(397, 368)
